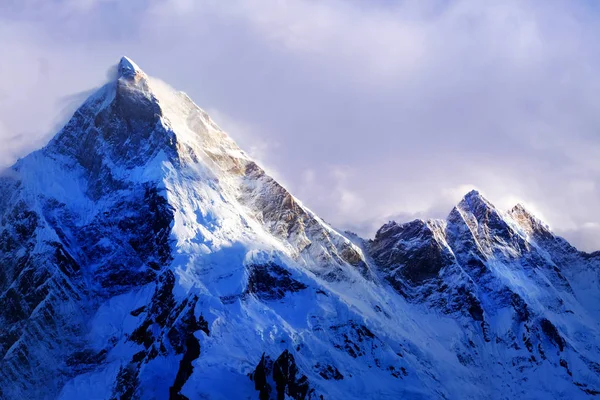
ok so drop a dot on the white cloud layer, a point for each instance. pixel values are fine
(367, 110)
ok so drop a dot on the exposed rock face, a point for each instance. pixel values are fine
(271, 282)
(280, 379)
(285, 218)
(145, 256)
(410, 253)
(329, 372)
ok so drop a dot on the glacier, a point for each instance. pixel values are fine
(146, 256)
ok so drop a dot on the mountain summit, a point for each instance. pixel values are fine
(146, 256)
(128, 69)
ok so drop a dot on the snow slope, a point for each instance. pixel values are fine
(145, 255)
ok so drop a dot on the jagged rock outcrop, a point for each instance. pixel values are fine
(280, 379)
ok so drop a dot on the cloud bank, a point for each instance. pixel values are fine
(366, 110)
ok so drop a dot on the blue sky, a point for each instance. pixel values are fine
(366, 111)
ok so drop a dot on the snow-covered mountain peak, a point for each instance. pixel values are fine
(144, 255)
(527, 220)
(128, 69)
(136, 122)
(474, 193)
(133, 87)
(138, 131)
(479, 215)
(475, 202)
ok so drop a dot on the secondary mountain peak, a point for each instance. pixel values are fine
(520, 209)
(475, 207)
(528, 221)
(474, 199)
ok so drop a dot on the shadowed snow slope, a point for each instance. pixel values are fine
(144, 255)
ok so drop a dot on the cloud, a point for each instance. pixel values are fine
(247, 136)
(420, 98)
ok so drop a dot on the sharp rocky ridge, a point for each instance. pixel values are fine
(145, 255)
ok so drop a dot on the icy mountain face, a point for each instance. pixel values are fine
(140, 190)
(144, 255)
(518, 291)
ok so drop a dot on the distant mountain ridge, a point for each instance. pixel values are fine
(145, 255)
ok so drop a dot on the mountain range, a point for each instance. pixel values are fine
(144, 255)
